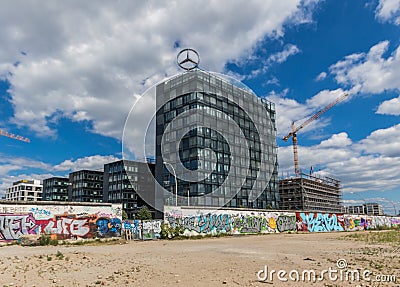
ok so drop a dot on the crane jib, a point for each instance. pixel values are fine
(304, 124)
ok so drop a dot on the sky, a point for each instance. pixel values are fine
(70, 71)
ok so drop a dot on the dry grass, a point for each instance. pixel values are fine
(391, 237)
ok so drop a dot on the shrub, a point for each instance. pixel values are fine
(46, 240)
(59, 255)
(169, 232)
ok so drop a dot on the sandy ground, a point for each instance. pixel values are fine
(229, 261)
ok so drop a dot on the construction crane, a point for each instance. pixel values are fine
(293, 133)
(14, 136)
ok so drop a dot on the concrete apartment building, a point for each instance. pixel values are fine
(371, 208)
(25, 190)
(355, 209)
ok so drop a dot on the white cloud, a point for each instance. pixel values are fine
(388, 10)
(8, 163)
(325, 97)
(95, 162)
(390, 107)
(280, 57)
(384, 142)
(321, 76)
(93, 72)
(370, 72)
(337, 140)
(289, 110)
(273, 81)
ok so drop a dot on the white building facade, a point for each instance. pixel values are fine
(25, 190)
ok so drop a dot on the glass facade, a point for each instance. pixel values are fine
(86, 186)
(123, 180)
(221, 139)
(55, 189)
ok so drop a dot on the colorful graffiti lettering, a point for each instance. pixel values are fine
(108, 226)
(214, 222)
(232, 222)
(151, 229)
(286, 223)
(13, 226)
(394, 220)
(272, 223)
(133, 229)
(318, 222)
(152, 225)
(380, 221)
(142, 230)
(253, 224)
(134, 225)
(64, 225)
(208, 223)
(39, 211)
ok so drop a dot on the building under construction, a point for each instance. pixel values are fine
(310, 193)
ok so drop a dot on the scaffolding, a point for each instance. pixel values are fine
(310, 193)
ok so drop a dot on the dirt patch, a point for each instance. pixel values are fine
(229, 261)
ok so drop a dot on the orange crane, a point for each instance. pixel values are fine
(14, 136)
(294, 131)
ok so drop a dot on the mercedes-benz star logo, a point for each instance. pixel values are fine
(188, 59)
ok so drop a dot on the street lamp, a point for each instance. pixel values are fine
(394, 206)
(365, 210)
(176, 182)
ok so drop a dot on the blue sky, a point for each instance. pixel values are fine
(70, 72)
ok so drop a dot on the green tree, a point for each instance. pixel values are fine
(144, 213)
(124, 215)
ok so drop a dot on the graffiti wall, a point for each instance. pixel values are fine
(132, 229)
(207, 221)
(361, 222)
(354, 222)
(142, 230)
(151, 229)
(381, 221)
(319, 222)
(204, 221)
(395, 221)
(60, 221)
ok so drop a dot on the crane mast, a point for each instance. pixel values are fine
(293, 133)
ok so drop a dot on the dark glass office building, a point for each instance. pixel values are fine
(218, 139)
(86, 186)
(55, 189)
(122, 181)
